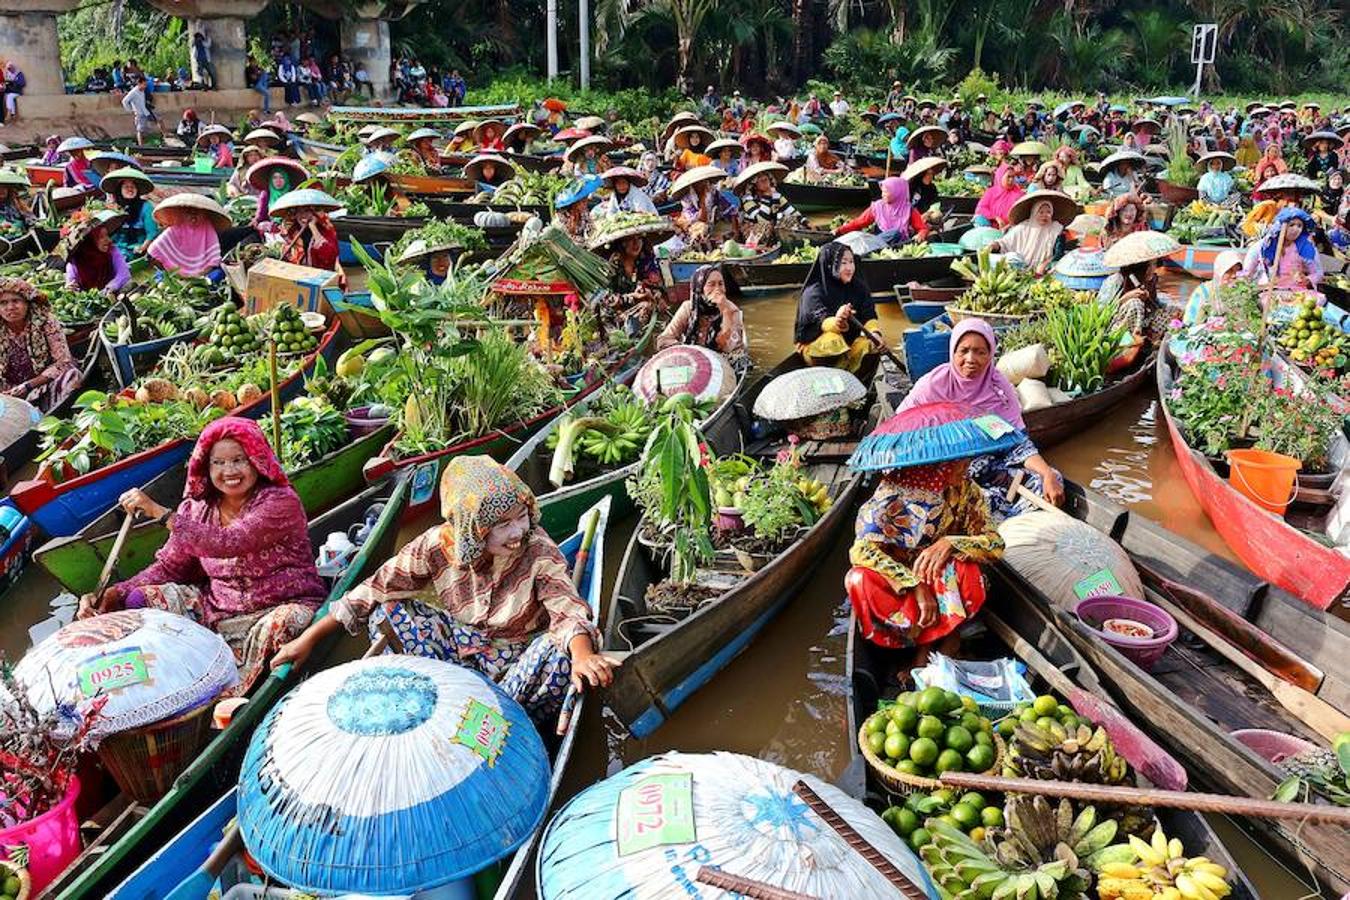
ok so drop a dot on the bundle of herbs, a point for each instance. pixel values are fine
(38, 751)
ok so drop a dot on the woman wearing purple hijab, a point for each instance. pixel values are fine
(971, 377)
(894, 216)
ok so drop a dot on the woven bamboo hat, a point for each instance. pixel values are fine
(777, 170)
(916, 138)
(915, 169)
(684, 134)
(600, 143)
(611, 230)
(1228, 159)
(1065, 207)
(695, 176)
(1140, 247)
(474, 167)
(171, 211)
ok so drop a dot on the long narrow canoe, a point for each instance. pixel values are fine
(178, 857)
(64, 508)
(1194, 699)
(134, 831)
(1196, 260)
(374, 229)
(669, 661)
(1053, 424)
(1268, 545)
(77, 561)
(426, 115)
(881, 275)
(463, 212)
(873, 673)
(827, 198)
(500, 444)
(560, 507)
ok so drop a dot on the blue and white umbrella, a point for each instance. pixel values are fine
(390, 775)
(644, 833)
(149, 664)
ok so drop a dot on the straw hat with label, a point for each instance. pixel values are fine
(694, 176)
(1065, 209)
(610, 230)
(1140, 247)
(172, 210)
(684, 134)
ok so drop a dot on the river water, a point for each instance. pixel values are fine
(785, 698)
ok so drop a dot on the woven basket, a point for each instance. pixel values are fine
(900, 783)
(145, 761)
(997, 320)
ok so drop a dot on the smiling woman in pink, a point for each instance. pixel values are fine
(238, 558)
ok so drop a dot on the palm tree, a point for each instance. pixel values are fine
(1087, 55)
(687, 17)
(1158, 34)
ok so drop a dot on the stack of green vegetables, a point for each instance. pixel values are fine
(311, 428)
(528, 188)
(73, 306)
(169, 306)
(377, 200)
(1003, 289)
(833, 179)
(1083, 342)
(441, 233)
(958, 186)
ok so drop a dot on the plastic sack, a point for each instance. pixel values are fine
(1033, 395)
(988, 682)
(1067, 560)
(1026, 362)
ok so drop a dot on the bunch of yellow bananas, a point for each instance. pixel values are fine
(1163, 872)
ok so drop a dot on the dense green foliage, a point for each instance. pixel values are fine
(97, 34)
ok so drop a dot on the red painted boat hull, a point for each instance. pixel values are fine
(1266, 544)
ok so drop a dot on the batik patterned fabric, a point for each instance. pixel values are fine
(911, 509)
(252, 637)
(995, 473)
(535, 672)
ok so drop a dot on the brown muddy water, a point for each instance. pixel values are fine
(785, 698)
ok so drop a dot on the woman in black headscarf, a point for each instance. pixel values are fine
(1333, 191)
(709, 319)
(835, 308)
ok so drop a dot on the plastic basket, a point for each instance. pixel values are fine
(52, 839)
(1143, 652)
(996, 320)
(145, 761)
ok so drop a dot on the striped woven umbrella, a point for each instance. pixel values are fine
(686, 368)
(933, 433)
(151, 665)
(644, 834)
(390, 775)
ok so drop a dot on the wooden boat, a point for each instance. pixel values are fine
(425, 468)
(671, 658)
(21, 247)
(374, 229)
(64, 508)
(14, 152)
(21, 451)
(1272, 548)
(1053, 424)
(559, 507)
(131, 831)
(131, 361)
(435, 185)
(1176, 194)
(179, 856)
(873, 672)
(39, 175)
(1193, 699)
(77, 561)
(463, 212)
(826, 197)
(676, 273)
(960, 205)
(753, 276)
(1196, 260)
(324, 154)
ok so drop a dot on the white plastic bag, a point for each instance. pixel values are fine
(1033, 395)
(1027, 362)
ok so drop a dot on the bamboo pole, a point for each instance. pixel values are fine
(1127, 796)
(746, 887)
(276, 399)
(859, 843)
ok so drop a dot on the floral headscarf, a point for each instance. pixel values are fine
(247, 434)
(477, 493)
(39, 310)
(1303, 243)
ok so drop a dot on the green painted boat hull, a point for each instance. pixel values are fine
(77, 561)
(560, 511)
(200, 784)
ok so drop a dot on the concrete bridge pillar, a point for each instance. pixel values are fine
(222, 21)
(28, 38)
(365, 34)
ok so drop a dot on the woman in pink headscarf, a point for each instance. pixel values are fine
(238, 558)
(972, 378)
(998, 199)
(189, 245)
(895, 218)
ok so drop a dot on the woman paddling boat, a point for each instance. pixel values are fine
(38, 365)
(834, 312)
(238, 556)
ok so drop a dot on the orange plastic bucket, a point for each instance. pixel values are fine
(1265, 478)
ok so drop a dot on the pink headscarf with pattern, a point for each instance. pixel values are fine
(988, 392)
(247, 434)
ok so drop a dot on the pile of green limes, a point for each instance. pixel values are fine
(931, 732)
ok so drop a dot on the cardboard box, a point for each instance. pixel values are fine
(272, 282)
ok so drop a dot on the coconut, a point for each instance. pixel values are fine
(197, 397)
(223, 400)
(247, 393)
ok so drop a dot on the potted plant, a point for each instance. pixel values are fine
(778, 505)
(1176, 184)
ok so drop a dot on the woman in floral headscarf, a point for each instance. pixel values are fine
(1271, 164)
(37, 363)
(1126, 216)
(238, 558)
(488, 589)
(1298, 266)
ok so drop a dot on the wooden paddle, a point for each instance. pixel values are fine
(1128, 796)
(1308, 708)
(569, 703)
(111, 562)
(880, 343)
(276, 399)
